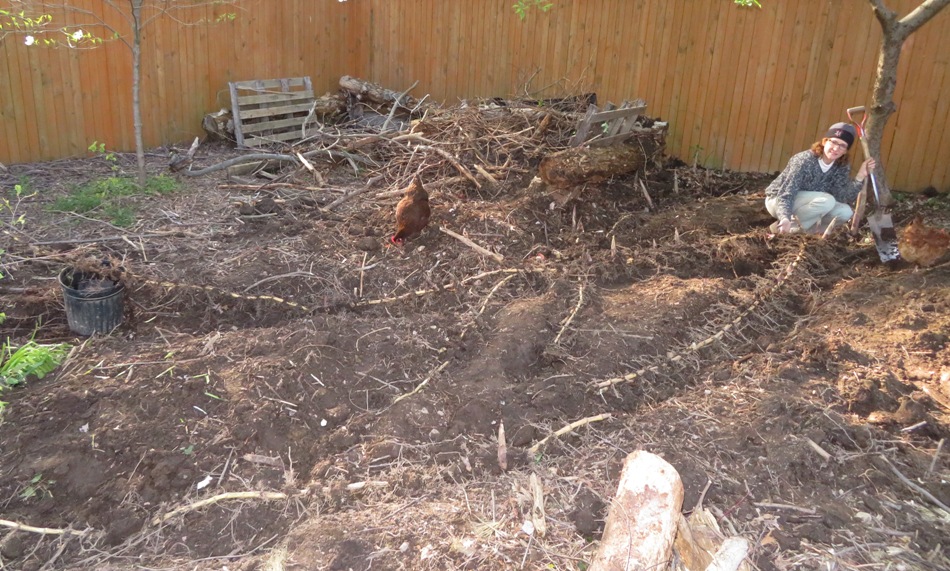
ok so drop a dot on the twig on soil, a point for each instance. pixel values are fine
(646, 195)
(502, 447)
(346, 197)
(914, 486)
(367, 484)
(767, 505)
(261, 459)
(140, 246)
(52, 560)
(483, 251)
(488, 297)
(821, 451)
(272, 278)
(254, 157)
(481, 170)
(538, 516)
(569, 428)
(933, 463)
(362, 274)
(227, 464)
(219, 498)
(175, 234)
(570, 318)
(422, 384)
(41, 530)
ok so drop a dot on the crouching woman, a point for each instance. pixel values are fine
(816, 189)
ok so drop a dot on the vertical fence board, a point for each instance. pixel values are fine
(759, 135)
(742, 43)
(937, 144)
(13, 143)
(748, 86)
(756, 115)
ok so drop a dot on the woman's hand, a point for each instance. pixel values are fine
(866, 167)
(787, 226)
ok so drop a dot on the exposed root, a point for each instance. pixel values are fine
(680, 356)
(41, 530)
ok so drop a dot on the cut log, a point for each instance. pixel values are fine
(580, 165)
(329, 105)
(370, 92)
(219, 125)
(643, 517)
(179, 162)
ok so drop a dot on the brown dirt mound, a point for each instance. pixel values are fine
(368, 407)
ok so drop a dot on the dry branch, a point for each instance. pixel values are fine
(569, 428)
(498, 285)
(570, 318)
(538, 517)
(422, 384)
(41, 530)
(933, 499)
(502, 447)
(454, 161)
(219, 498)
(483, 251)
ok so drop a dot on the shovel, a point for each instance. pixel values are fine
(882, 227)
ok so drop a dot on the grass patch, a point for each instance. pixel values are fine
(113, 197)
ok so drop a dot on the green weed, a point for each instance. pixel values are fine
(30, 359)
(112, 197)
(36, 488)
(941, 202)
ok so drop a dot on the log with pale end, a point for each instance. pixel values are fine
(643, 517)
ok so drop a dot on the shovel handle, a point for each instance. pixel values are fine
(860, 204)
(864, 143)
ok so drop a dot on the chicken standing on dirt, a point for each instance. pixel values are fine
(923, 245)
(412, 212)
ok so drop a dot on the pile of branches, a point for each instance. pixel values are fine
(388, 137)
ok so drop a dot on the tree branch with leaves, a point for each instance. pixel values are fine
(34, 22)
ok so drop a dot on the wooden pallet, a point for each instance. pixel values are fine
(270, 111)
(611, 125)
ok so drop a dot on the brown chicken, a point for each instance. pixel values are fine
(412, 212)
(923, 245)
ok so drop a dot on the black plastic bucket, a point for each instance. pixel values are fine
(93, 304)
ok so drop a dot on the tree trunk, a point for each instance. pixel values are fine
(895, 32)
(136, 90)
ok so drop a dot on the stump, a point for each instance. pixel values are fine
(580, 165)
(643, 518)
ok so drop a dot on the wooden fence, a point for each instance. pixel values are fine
(742, 88)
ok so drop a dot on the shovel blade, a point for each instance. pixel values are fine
(885, 236)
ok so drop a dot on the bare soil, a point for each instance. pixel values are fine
(356, 426)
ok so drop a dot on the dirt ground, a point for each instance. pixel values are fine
(220, 428)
